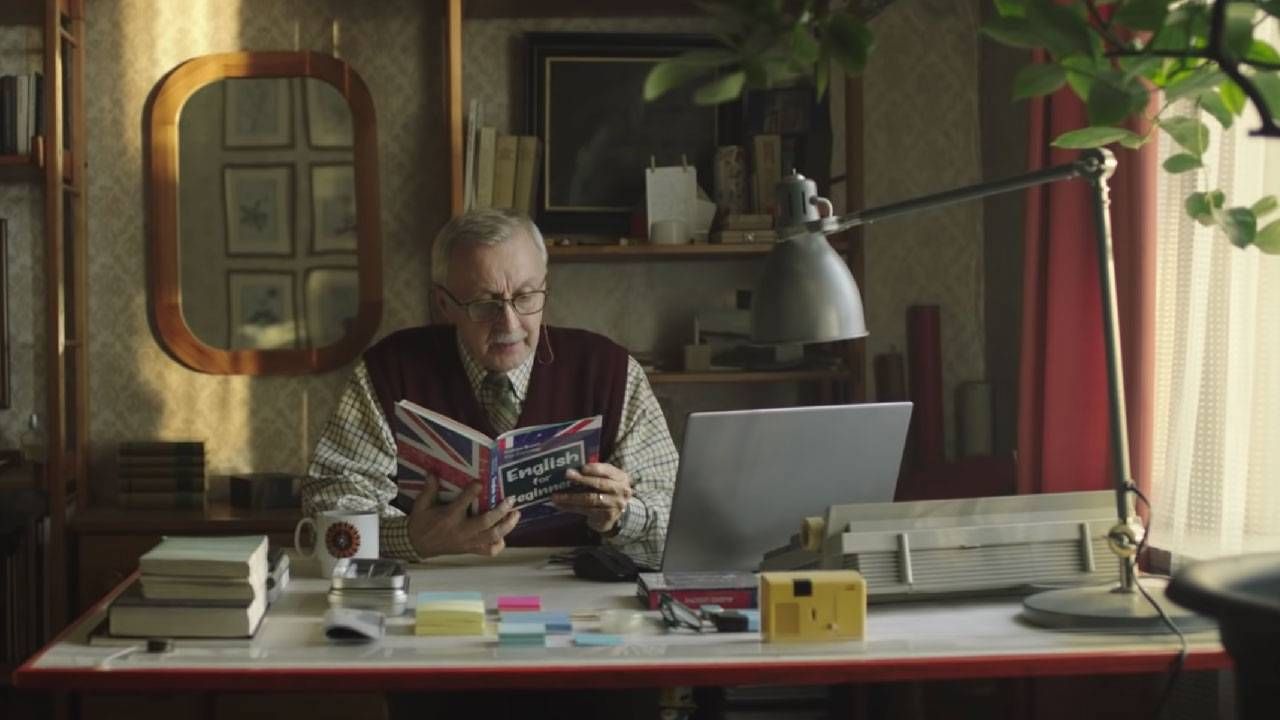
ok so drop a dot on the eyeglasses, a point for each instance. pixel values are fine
(490, 309)
(676, 614)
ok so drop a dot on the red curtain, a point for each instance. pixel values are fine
(1063, 436)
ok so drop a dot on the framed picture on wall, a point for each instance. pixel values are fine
(333, 209)
(586, 104)
(258, 113)
(328, 115)
(259, 209)
(261, 314)
(332, 297)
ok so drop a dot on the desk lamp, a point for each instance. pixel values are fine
(807, 295)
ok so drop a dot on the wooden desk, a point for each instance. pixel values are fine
(920, 641)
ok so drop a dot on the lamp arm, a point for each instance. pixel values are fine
(1095, 166)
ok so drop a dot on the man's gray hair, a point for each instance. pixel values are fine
(489, 226)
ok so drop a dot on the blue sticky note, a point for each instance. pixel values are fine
(557, 622)
(596, 640)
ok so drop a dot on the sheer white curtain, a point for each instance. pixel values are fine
(1216, 464)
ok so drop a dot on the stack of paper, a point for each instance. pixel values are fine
(519, 603)
(449, 613)
(522, 633)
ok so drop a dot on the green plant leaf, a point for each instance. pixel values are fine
(1011, 8)
(1188, 132)
(1036, 80)
(1141, 66)
(1265, 205)
(850, 41)
(804, 49)
(1240, 225)
(1061, 29)
(1182, 162)
(1239, 29)
(1112, 98)
(1011, 31)
(1092, 137)
(1268, 238)
(1193, 83)
(723, 89)
(1081, 70)
(669, 74)
(1199, 208)
(1142, 14)
(1212, 103)
(1232, 96)
(1268, 85)
(1262, 52)
(1135, 141)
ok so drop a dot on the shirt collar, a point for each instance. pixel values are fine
(476, 372)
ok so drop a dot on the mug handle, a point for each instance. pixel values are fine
(297, 537)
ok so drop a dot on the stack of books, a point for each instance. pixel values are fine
(449, 613)
(195, 587)
(158, 474)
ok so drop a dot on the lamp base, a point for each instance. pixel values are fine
(1109, 608)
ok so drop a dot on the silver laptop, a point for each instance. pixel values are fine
(748, 478)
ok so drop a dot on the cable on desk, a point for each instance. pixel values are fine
(1178, 662)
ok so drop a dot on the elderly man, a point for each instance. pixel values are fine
(495, 367)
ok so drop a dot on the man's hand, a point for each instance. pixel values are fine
(446, 529)
(607, 492)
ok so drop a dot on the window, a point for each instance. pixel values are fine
(1217, 403)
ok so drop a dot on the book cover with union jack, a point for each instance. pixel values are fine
(527, 464)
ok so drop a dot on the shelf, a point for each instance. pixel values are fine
(640, 251)
(218, 517)
(750, 376)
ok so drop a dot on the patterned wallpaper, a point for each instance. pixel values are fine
(922, 136)
(137, 391)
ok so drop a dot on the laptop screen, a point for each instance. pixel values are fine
(748, 478)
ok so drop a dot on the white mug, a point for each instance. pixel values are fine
(338, 534)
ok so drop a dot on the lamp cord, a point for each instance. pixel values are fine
(1178, 662)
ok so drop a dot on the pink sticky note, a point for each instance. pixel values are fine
(519, 602)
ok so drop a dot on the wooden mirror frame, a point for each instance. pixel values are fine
(164, 277)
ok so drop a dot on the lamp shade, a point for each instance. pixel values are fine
(806, 294)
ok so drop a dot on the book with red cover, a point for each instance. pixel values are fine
(729, 590)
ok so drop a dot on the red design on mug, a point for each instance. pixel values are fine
(342, 540)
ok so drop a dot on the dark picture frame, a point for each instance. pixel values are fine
(585, 103)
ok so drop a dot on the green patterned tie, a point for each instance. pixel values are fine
(503, 410)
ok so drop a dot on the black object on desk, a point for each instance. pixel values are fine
(604, 563)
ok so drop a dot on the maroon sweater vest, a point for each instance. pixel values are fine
(575, 374)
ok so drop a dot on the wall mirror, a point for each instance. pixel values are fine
(264, 250)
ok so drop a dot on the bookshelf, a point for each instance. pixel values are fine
(57, 162)
(849, 244)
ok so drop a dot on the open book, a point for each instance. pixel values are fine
(527, 464)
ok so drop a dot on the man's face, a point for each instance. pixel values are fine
(485, 272)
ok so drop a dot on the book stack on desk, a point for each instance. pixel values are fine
(195, 587)
(159, 474)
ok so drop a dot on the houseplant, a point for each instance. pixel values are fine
(1200, 54)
